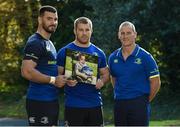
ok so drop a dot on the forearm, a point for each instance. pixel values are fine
(154, 88)
(153, 93)
(105, 76)
(112, 81)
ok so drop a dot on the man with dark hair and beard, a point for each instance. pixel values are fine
(83, 102)
(39, 67)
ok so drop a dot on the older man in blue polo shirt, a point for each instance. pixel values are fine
(135, 78)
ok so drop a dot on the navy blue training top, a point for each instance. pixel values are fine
(42, 52)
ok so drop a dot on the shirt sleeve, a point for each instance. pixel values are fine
(151, 67)
(61, 57)
(33, 51)
(102, 61)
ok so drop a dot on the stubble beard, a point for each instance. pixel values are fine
(48, 29)
(81, 41)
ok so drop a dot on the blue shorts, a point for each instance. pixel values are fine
(132, 112)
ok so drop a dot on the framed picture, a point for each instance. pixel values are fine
(81, 66)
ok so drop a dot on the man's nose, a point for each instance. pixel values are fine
(126, 35)
(54, 22)
(84, 32)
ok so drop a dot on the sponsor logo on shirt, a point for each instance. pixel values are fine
(52, 62)
(115, 60)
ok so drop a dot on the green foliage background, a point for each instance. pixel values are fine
(157, 23)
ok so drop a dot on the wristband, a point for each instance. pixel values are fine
(52, 80)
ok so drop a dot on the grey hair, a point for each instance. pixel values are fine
(127, 23)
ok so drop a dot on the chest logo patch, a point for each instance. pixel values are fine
(95, 53)
(115, 60)
(138, 61)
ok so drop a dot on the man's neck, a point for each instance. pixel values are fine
(82, 45)
(127, 50)
(44, 34)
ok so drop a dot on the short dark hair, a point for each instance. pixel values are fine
(83, 20)
(47, 8)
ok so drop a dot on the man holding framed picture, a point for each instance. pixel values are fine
(83, 102)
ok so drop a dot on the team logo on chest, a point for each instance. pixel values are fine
(138, 61)
(95, 53)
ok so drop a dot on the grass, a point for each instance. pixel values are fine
(15, 109)
(165, 123)
(165, 110)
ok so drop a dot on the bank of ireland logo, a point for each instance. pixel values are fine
(115, 60)
(138, 61)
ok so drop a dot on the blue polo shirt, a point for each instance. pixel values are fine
(42, 52)
(82, 95)
(132, 75)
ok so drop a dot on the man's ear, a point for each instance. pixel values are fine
(118, 35)
(74, 32)
(135, 34)
(39, 20)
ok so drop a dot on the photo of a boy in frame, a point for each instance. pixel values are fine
(81, 66)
